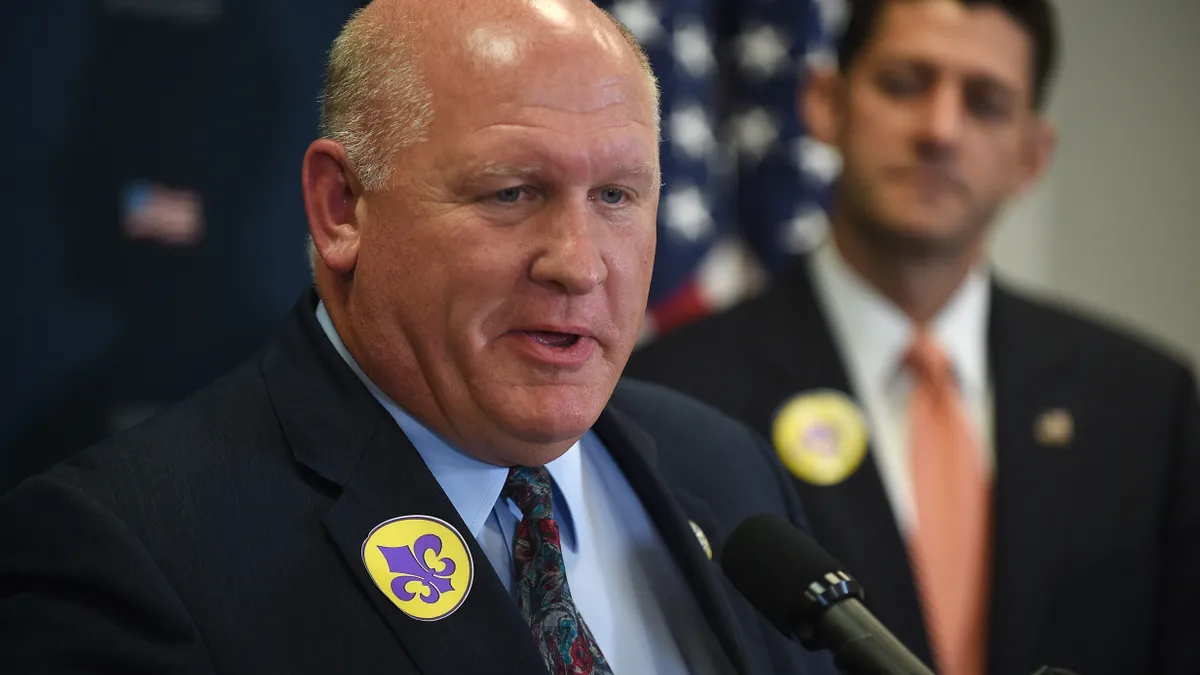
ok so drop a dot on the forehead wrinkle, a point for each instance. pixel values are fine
(648, 169)
(586, 97)
(498, 169)
(564, 124)
(556, 164)
(494, 168)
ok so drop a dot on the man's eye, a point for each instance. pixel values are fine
(902, 84)
(510, 195)
(989, 103)
(612, 195)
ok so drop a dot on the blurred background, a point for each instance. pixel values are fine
(153, 183)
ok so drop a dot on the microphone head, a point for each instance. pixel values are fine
(777, 566)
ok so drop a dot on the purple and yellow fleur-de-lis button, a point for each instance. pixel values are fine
(422, 564)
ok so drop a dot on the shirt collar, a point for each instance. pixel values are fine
(473, 486)
(876, 333)
(567, 474)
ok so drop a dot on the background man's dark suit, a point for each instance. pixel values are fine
(224, 535)
(1097, 544)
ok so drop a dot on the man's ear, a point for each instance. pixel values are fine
(331, 194)
(819, 102)
(1041, 140)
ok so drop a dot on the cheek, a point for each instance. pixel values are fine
(416, 274)
(864, 158)
(479, 293)
(994, 166)
(630, 269)
(872, 125)
(631, 260)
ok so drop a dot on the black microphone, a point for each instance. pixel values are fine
(806, 593)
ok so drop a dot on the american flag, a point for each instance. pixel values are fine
(744, 186)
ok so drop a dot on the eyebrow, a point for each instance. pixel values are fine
(970, 74)
(502, 170)
(505, 170)
(646, 169)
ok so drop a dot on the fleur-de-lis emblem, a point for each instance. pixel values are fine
(421, 564)
(413, 563)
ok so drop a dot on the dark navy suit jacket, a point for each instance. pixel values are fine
(224, 535)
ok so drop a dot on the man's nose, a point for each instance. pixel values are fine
(571, 258)
(942, 120)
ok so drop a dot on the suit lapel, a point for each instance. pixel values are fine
(393, 481)
(1028, 366)
(337, 430)
(796, 352)
(634, 451)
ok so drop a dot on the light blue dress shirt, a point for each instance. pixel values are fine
(624, 580)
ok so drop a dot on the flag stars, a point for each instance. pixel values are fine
(816, 159)
(687, 214)
(833, 16)
(755, 132)
(763, 52)
(693, 48)
(691, 132)
(805, 230)
(641, 18)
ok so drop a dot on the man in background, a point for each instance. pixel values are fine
(1013, 484)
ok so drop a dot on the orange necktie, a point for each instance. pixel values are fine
(950, 544)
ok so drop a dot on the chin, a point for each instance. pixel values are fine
(547, 414)
(530, 454)
(919, 234)
(553, 424)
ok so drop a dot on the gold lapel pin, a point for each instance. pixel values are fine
(1055, 427)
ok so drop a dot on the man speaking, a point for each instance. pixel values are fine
(432, 468)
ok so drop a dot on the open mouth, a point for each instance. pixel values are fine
(551, 339)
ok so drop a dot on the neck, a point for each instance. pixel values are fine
(919, 280)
